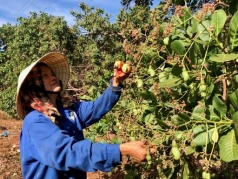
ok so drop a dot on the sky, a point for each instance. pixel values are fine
(10, 10)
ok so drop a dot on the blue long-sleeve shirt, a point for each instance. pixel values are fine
(50, 152)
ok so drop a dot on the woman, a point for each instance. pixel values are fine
(52, 143)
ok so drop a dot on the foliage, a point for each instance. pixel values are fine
(181, 95)
(145, 3)
(99, 45)
(26, 42)
(183, 89)
(187, 67)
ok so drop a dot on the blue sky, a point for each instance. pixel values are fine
(10, 10)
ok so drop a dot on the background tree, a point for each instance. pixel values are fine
(175, 96)
(29, 39)
(99, 44)
(126, 3)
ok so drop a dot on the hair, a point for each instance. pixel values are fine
(40, 64)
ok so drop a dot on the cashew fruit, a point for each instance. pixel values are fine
(202, 88)
(126, 68)
(148, 157)
(206, 175)
(121, 68)
(174, 143)
(203, 94)
(139, 83)
(176, 153)
(166, 40)
(215, 135)
(118, 64)
(185, 75)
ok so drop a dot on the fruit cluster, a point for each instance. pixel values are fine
(121, 68)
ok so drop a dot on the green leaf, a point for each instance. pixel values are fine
(212, 114)
(220, 106)
(189, 150)
(178, 135)
(185, 43)
(202, 30)
(233, 31)
(182, 21)
(218, 20)
(234, 99)
(162, 27)
(186, 16)
(202, 136)
(176, 70)
(209, 89)
(164, 76)
(177, 47)
(197, 48)
(150, 119)
(151, 72)
(235, 120)
(162, 124)
(150, 96)
(228, 147)
(235, 117)
(176, 20)
(200, 42)
(170, 83)
(189, 29)
(199, 113)
(180, 119)
(223, 57)
(183, 117)
(186, 171)
(194, 24)
(236, 132)
(192, 96)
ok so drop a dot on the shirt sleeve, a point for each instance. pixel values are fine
(92, 111)
(55, 148)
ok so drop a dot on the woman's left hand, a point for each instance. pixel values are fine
(121, 72)
(116, 81)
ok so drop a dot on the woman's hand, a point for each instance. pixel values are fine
(121, 72)
(117, 81)
(136, 150)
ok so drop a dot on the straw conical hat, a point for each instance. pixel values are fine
(57, 62)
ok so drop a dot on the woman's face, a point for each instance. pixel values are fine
(50, 81)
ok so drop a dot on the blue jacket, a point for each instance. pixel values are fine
(50, 152)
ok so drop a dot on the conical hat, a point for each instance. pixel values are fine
(57, 62)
